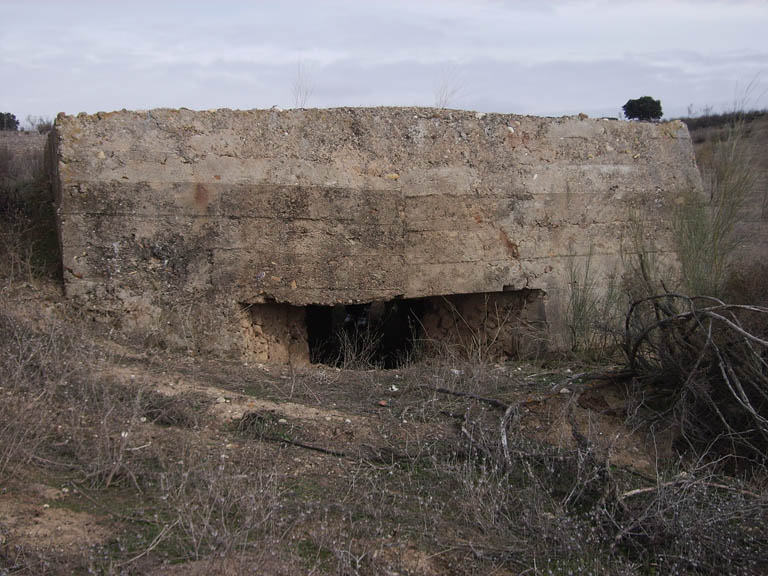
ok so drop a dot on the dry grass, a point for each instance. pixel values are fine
(28, 243)
(705, 228)
(59, 416)
(488, 496)
(593, 311)
(218, 508)
(703, 364)
(455, 472)
(567, 511)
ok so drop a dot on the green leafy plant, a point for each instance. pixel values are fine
(8, 122)
(644, 108)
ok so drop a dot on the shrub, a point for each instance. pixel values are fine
(41, 124)
(705, 364)
(574, 510)
(28, 240)
(644, 108)
(701, 361)
(704, 227)
(710, 120)
(593, 311)
(216, 508)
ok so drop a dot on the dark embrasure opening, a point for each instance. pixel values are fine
(380, 334)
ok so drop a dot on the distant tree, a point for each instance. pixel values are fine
(41, 124)
(645, 108)
(449, 86)
(303, 86)
(8, 121)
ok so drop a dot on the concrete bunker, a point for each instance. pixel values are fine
(264, 234)
(390, 333)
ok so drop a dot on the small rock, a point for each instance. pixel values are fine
(347, 421)
(282, 421)
(565, 391)
(221, 400)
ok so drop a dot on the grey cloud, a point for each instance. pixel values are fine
(528, 57)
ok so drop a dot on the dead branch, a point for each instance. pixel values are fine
(712, 360)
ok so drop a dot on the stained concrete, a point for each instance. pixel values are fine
(191, 228)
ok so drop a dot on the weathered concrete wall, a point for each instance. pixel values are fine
(178, 224)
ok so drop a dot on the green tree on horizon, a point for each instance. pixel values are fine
(8, 122)
(643, 108)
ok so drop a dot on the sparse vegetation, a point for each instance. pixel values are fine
(303, 86)
(705, 228)
(448, 86)
(701, 360)
(28, 243)
(463, 464)
(40, 124)
(709, 119)
(593, 309)
(705, 368)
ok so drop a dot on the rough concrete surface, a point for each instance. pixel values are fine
(212, 230)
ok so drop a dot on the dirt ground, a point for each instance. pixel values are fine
(361, 471)
(124, 457)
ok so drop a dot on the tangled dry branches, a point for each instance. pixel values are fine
(706, 362)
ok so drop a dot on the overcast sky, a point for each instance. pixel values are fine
(527, 57)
